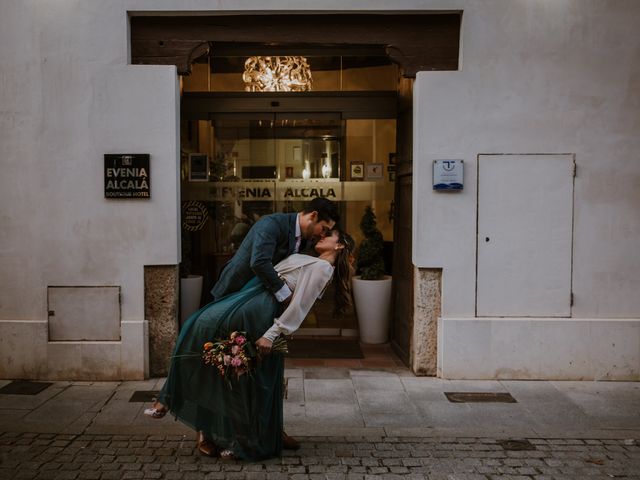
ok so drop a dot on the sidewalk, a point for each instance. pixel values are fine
(373, 421)
(334, 401)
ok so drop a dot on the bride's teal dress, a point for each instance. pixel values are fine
(246, 418)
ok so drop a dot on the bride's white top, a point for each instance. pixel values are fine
(307, 276)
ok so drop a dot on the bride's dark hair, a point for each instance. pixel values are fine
(342, 273)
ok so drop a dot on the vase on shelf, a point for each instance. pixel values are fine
(190, 294)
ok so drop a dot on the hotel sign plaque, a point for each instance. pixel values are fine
(127, 175)
(448, 175)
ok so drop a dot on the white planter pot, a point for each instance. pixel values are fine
(190, 293)
(372, 300)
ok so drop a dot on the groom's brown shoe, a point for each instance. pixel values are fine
(205, 446)
(289, 443)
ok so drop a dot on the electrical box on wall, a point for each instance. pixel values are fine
(448, 175)
(84, 313)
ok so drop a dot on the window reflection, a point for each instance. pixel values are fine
(329, 73)
(263, 163)
(276, 148)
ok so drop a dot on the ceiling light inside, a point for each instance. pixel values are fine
(277, 74)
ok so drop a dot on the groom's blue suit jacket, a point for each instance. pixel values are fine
(270, 240)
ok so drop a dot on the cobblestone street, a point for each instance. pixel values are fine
(352, 424)
(105, 457)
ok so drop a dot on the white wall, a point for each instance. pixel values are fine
(538, 77)
(68, 97)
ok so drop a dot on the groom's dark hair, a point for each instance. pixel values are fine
(327, 210)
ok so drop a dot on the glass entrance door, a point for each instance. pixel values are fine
(261, 163)
(277, 163)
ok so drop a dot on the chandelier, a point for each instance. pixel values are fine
(277, 74)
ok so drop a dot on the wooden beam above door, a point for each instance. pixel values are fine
(203, 105)
(415, 41)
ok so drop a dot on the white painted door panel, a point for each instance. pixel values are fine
(84, 313)
(525, 212)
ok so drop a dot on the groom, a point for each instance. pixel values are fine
(270, 240)
(273, 238)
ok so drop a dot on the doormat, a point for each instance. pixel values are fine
(24, 387)
(324, 348)
(480, 397)
(144, 396)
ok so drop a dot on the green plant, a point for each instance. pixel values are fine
(370, 263)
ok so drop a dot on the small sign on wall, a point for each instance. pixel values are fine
(126, 175)
(357, 170)
(374, 171)
(198, 167)
(448, 175)
(194, 216)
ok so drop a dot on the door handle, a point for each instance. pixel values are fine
(486, 239)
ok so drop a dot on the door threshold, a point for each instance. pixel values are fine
(327, 332)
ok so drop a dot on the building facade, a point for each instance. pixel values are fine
(530, 271)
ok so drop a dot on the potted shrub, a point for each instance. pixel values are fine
(371, 287)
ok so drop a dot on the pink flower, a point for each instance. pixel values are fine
(227, 360)
(236, 362)
(235, 350)
(240, 340)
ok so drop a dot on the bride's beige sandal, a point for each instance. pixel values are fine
(227, 454)
(156, 411)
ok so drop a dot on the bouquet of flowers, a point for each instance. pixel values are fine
(235, 355)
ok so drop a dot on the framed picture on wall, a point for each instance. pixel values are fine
(297, 155)
(374, 171)
(198, 167)
(357, 170)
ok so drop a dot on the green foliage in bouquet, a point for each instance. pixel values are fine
(370, 264)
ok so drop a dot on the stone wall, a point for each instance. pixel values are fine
(424, 342)
(161, 311)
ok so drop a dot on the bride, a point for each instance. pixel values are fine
(244, 420)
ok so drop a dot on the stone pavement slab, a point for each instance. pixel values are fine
(609, 402)
(334, 400)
